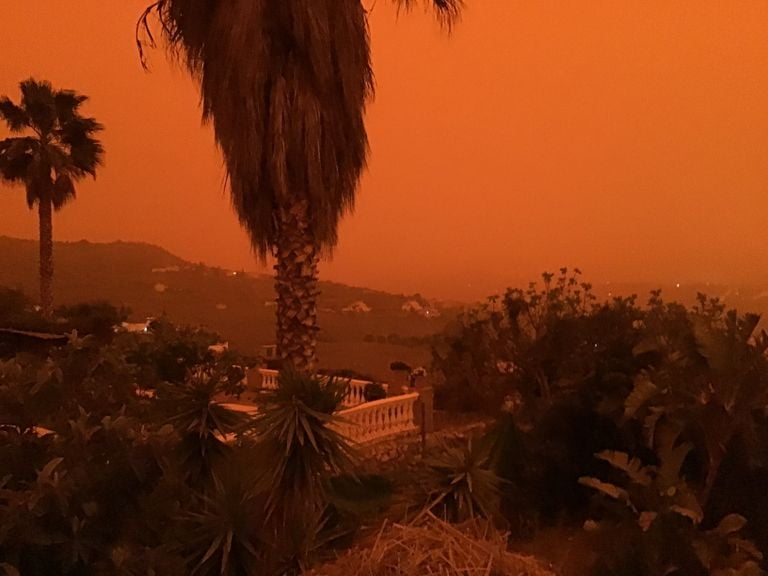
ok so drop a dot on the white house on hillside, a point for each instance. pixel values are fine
(357, 307)
(415, 307)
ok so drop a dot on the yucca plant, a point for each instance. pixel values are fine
(301, 449)
(467, 487)
(222, 534)
(203, 425)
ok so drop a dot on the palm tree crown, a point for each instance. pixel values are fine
(285, 84)
(60, 149)
(54, 149)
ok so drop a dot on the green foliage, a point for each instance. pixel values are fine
(711, 383)
(98, 319)
(374, 391)
(665, 510)
(360, 496)
(98, 479)
(221, 533)
(205, 427)
(294, 431)
(467, 487)
(662, 393)
(723, 552)
(543, 342)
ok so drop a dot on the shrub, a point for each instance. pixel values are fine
(374, 391)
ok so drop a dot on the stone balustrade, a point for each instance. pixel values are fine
(378, 419)
(355, 396)
(268, 378)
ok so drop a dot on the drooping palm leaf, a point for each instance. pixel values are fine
(285, 85)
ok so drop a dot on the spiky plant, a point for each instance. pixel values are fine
(300, 448)
(285, 85)
(467, 487)
(55, 148)
(221, 535)
(204, 426)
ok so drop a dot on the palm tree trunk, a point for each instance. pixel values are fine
(296, 277)
(45, 213)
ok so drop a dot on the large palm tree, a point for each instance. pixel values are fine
(54, 149)
(285, 83)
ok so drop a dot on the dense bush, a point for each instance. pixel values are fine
(100, 477)
(577, 378)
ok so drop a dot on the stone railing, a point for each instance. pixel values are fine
(268, 378)
(355, 396)
(378, 419)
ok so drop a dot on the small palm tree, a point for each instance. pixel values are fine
(54, 149)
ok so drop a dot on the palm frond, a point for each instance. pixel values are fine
(447, 12)
(63, 148)
(63, 191)
(16, 156)
(67, 102)
(38, 100)
(14, 116)
(290, 121)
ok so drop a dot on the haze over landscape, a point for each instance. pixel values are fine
(628, 139)
(540, 347)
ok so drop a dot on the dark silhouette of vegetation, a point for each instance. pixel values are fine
(672, 400)
(101, 477)
(55, 149)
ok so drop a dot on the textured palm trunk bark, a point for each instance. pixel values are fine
(45, 213)
(296, 286)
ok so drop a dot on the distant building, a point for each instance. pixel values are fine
(412, 306)
(136, 327)
(167, 269)
(269, 351)
(416, 307)
(219, 348)
(357, 307)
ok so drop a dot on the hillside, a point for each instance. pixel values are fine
(150, 281)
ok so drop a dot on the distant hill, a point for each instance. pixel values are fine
(151, 281)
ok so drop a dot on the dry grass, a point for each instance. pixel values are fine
(435, 548)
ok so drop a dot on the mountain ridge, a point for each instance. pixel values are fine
(151, 281)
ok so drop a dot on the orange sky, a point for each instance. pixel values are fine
(627, 138)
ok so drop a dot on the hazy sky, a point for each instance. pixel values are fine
(628, 138)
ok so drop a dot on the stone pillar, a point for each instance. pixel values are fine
(424, 409)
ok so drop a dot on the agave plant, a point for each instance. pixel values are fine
(222, 534)
(296, 437)
(467, 485)
(204, 425)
